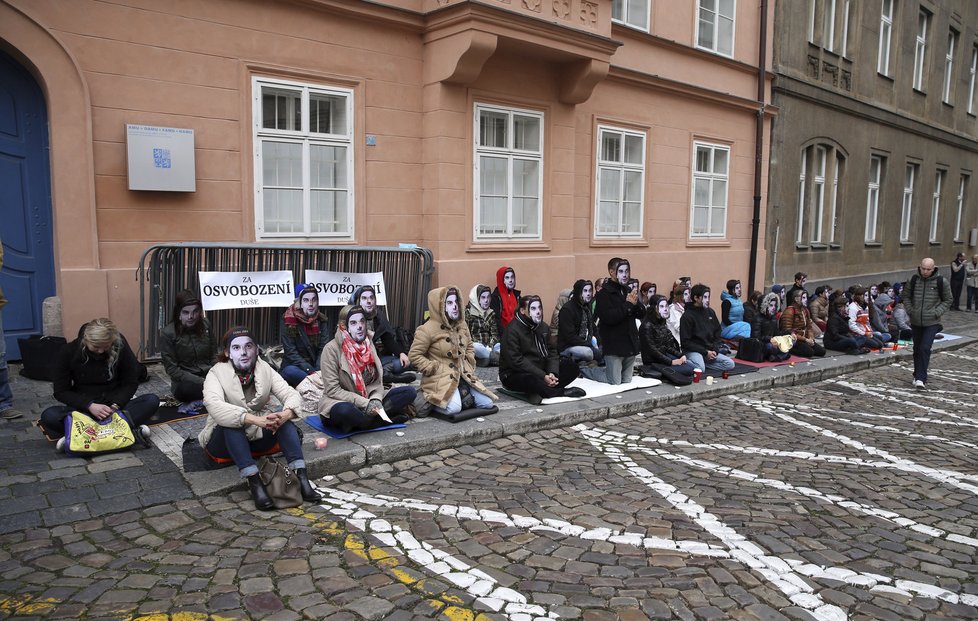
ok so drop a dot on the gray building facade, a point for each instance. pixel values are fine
(874, 152)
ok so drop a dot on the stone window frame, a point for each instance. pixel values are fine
(947, 87)
(963, 183)
(934, 231)
(911, 174)
(823, 163)
(920, 49)
(886, 26)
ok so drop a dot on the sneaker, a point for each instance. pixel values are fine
(10, 414)
(918, 384)
(60, 446)
(142, 434)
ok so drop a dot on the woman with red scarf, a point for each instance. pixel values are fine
(304, 334)
(505, 298)
(353, 397)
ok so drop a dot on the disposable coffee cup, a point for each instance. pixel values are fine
(696, 375)
(726, 374)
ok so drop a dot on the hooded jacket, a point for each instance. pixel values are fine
(481, 323)
(496, 300)
(575, 321)
(384, 337)
(617, 320)
(798, 321)
(442, 352)
(925, 302)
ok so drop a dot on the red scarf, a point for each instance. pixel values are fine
(310, 325)
(359, 356)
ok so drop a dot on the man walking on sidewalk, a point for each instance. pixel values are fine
(928, 296)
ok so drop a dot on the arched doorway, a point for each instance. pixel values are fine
(25, 204)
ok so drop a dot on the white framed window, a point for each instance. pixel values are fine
(620, 183)
(886, 38)
(844, 45)
(962, 189)
(800, 233)
(818, 194)
(711, 175)
(634, 13)
(715, 26)
(920, 50)
(811, 21)
(952, 40)
(834, 213)
(303, 137)
(935, 208)
(828, 25)
(876, 164)
(906, 212)
(971, 80)
(508, 173)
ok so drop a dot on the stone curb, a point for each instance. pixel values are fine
(426, 436)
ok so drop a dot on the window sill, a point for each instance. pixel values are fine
(619, 242)
(920, 92)
(934, 243)
(885, 77)
(496, 246)
(835, 246)
(801, 246)
(706, 243)
(818, 246)
(904, 242)
(948, 104)
(873, 244)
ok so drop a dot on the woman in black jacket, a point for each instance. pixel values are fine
(188, 347)
(97, 373)
(659, 346)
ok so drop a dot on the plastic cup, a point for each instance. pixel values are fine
(896, 346)
(726, 375)
(709, 380)
(696, 375)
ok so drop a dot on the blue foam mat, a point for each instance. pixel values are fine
(317, 423)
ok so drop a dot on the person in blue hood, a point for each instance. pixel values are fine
(732, 308)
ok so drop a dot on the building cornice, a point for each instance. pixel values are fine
(685, 89)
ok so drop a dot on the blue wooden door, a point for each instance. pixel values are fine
(25, 204)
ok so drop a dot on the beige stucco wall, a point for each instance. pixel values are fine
(190, 64)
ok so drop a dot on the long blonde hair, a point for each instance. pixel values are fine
(103, 331)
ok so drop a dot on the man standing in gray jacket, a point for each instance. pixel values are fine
(928, 297)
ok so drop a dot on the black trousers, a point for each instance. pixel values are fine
(805, 350)
(139, 409)
(524, 382)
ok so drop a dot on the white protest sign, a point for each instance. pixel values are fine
(335, 288)
(221, 290)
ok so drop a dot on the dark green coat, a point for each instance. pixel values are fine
(189, 357)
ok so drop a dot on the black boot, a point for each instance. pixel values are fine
(308, 493)
(263, 501)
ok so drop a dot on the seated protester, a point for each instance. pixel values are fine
(646, 292)
(241, 421)
(858, 312)
(819, 307)
(837, 335)
(680, 298)
(505, 298)
(442, 352)
(800, 279)
(481, 320)
(393, 357)
(732, 312)
(752, 311)
(97, 373)
(188, 347)
(353, 394)
(575, 325)
(900, 320)
(658, 344)
(700, 332)
(767, 326)
(779, 291)
(797, 320)
(303, 333)
(877, 317)
(527, 364)
(619, 313)
(562, 298)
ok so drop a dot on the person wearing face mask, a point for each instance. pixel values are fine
(241, 420)
(188, 346)
(575, 325)
(797, 320)
(303, 333)
(680, 298)
(659, 346)
(481, 320)
(393, 355)
(732, 311)
(618, 311)
(442, 351)
(505, 298)
(527, 364)
(98, 373)
(700, 332)
(353, 395)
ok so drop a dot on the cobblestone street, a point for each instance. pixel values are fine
(850, 498)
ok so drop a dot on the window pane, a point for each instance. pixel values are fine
(701, 192)
(328, 167)
(637, 10)
(492, 129)
(281, 164)
(708, 5)
(610, 184)
(526, 180)
(633, 186)
(492, 215)
(327, 114)
(282, 210)
(719, 198)
(706, 30)
(718, 221)
(700, 215)
(526, 133)
(608, 217)
(617, 7)
(281, 109)
(631, 218)
(720, 157)
(329, 213)
(610, 146)
(492, 177)
(702, 159)
(525, 216)
(634, 150)
(726, 8)
(725, 36)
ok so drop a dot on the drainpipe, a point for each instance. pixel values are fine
(758, 146)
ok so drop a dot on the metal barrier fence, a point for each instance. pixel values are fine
(173, 267)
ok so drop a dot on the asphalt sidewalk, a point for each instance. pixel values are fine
(40, 487)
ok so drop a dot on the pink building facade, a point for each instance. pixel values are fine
(546, 135)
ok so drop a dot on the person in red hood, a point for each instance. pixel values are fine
(505, 298)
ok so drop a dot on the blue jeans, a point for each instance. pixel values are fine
(293, 375)
(482, 352)
(232, 442)
(685, 368)
(6, 395)
(720, 363)
(392, 364)
(347, 417)
(455, 404)
(582, 353)
(923, 342)
(972, 301)
(619, 369)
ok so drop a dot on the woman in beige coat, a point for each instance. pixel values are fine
(442, 351)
